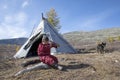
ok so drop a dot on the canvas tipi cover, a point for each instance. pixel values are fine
(30, 47)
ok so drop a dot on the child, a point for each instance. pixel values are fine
(47, 60)
(44, 52)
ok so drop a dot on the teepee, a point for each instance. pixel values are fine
(29, 49)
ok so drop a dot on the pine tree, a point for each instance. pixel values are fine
(53, 19)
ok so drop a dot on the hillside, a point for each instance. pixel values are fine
(79, 38)
(17, 41)
(92, 35)
(76, 36)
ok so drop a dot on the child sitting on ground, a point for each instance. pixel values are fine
(47, 60)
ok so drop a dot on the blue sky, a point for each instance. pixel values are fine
(18, 17)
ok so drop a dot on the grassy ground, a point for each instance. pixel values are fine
(90, 66)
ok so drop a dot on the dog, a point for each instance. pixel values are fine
(101, 47)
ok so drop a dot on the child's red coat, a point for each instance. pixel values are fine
(44, 53)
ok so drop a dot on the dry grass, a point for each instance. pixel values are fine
(91, 66)
(7, 51)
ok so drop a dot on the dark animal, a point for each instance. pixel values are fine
(101, 47)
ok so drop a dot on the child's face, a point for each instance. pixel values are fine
(44, 41)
